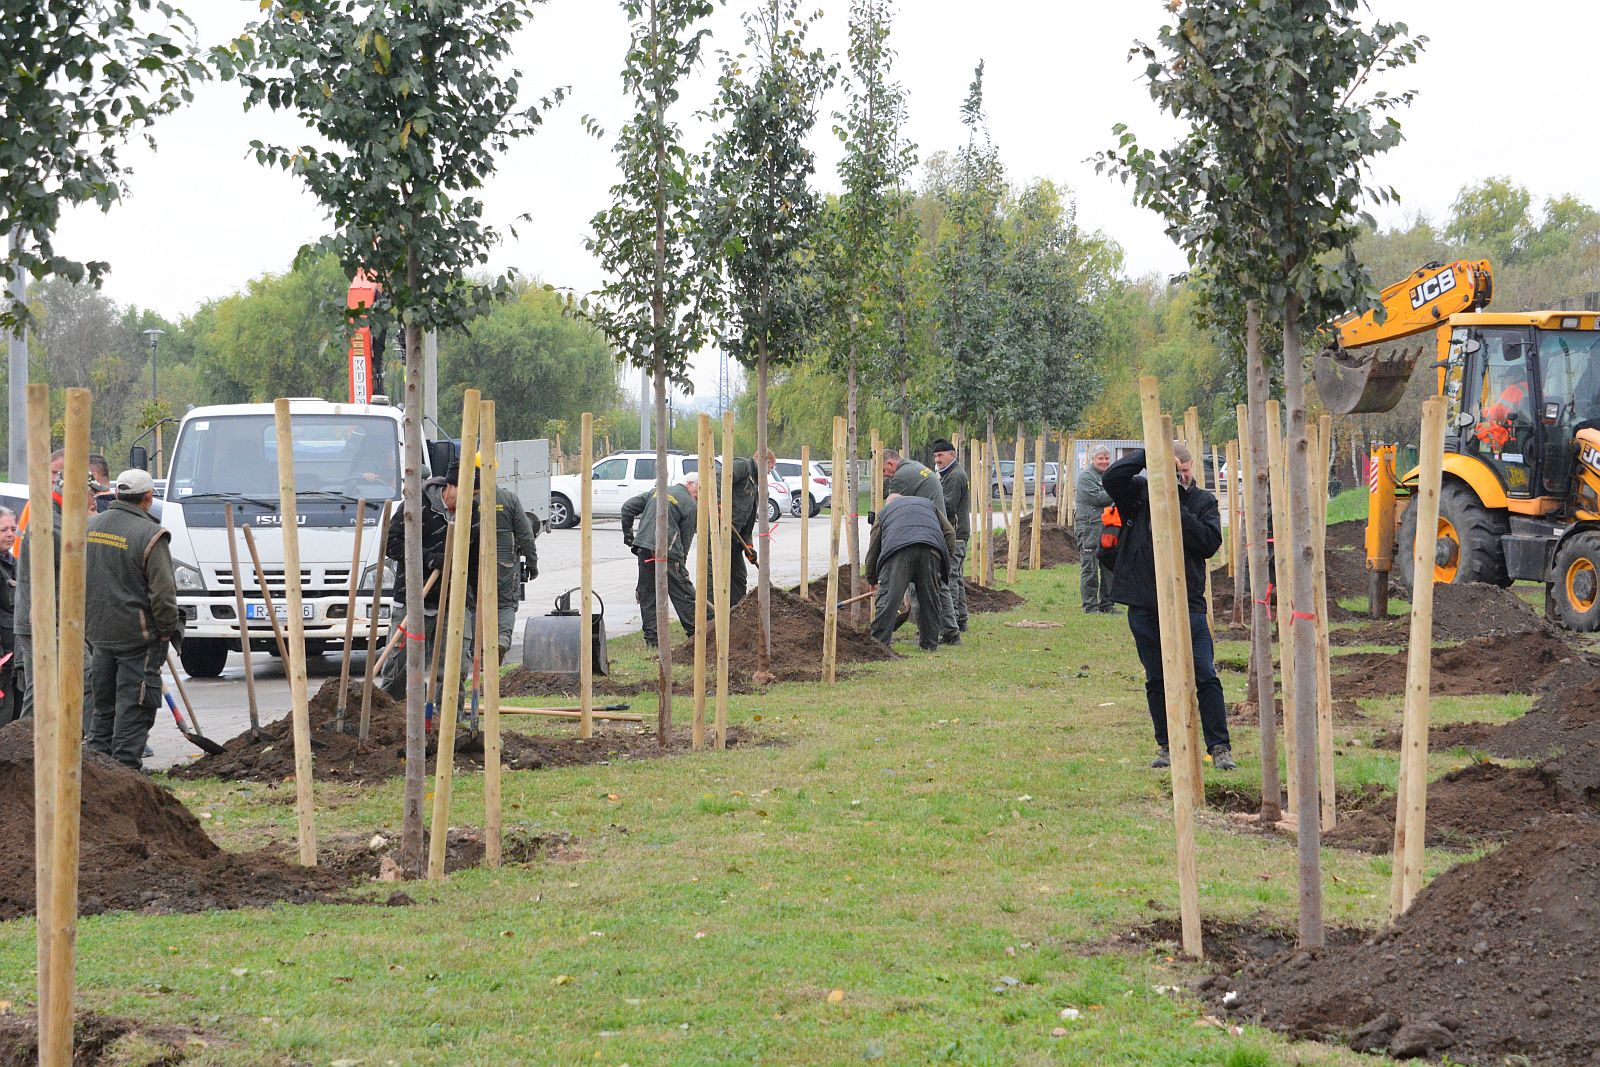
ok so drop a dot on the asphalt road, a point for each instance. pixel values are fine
(223, 710)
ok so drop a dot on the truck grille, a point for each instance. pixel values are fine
(314, 581)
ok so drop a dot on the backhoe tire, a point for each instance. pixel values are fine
(1468, 547)
(1576, 593)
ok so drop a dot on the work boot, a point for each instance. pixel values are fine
(1222, 758)
(649, 641)
(950, 637)
(1163, 759)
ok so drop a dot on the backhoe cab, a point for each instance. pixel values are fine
(1521, 493)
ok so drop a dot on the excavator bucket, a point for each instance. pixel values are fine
(1360, 381)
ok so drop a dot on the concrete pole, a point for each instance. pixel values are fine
(17, 446)
(430, 376)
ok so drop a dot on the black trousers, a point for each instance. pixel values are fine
(1146, 627)
(680, 590)
(127, 692)
(919, 566)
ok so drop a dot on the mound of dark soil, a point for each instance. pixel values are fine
(521, 682)
(340, 757)
(1057, 545)
(95, 1041)
(1473, 609)
(1222, 606)
(1501, 664)
(140, 848)
(1495, 962)
(1445, 736)
(796, 641)
(1244, 798)
(1565, 714)
(1228, 944)
(1350, 534)
(1345, 713)
(1480, 802)
(358, 857)
(979, 599)
(1347, 571)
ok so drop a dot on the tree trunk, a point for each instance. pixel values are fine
(1306, 800)
(988, 497)
(661, 552)
(852, 485)
(764, 538)
(412, 849)
(1256, 549)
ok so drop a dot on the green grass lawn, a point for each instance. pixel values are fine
(916, 866)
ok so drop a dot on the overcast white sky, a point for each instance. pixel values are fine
(1500, 94)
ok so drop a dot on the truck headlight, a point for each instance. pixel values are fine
(368, 574)
(188, 578)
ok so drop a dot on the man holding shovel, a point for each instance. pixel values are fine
(130, 618)
(438, 511)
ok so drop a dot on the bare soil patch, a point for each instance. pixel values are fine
(1444, 736)
(1565, 715)
(1495, 962)
(1057, 545)
(797, 627)
(103, 1041)
(1230, 945)
(980, 600)
(358, 857)
(341, 757)
(1467, 807)
(141, 849)
(1483, 665)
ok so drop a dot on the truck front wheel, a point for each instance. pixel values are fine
(204, 657)
(562, 516)
(1577, 587)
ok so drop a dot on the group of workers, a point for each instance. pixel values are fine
(918, 544)
(131, 617)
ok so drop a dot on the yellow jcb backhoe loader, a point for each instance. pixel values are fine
(1521, 495)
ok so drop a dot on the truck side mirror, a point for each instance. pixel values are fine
(440, 455)
(1465, 420)
(139, 456)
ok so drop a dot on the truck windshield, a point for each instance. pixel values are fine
(1570, 363)
(352, 455)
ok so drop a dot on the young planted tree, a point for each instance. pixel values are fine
(1267, 192)
(411, 101)
(861, 250)
(654, 305)
(763, 214)
(969, 262)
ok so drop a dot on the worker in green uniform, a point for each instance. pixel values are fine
(668, 546)
(957, 509)
(749, 496)
(130, 618)
(911, 547)
(904, 476)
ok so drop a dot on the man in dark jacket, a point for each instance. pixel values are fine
(749, 496)
(912, 544)
(904, 476)
(1134, 584)
(671, 547)
(1091, 500)
(23, 625)
(439, 499)
(957, 509)
(130, 618)
(516, 559)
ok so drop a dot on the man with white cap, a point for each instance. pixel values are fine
(131, 618)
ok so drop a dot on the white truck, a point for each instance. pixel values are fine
(347, 461)
(621, 475)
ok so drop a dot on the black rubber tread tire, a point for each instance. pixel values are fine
(205, 657)
(1584, 543)
(1482, 555)
(571, 517)
(816, 508)
(794, 504)
(774, 513)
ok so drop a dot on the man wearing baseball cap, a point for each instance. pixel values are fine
(131, 617)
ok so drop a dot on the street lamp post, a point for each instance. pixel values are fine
(155, 336)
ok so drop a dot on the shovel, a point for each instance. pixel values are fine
(205, 744)
(195, 737)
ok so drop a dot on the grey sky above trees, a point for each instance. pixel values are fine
(201, 218)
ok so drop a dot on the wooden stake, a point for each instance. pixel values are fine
(350, 617)
(586, 579)
(1321, 437)
(489, 628)
(1014, 524)
(1283, 575)
(1036, 540)
(805, 522)
(372, 624)
(441, 619)
(1411, 804)
(1173, 611)
(67, 780)
(266, 598)
(877, 472)
(702, 534)
(244, 624)
(724, 584)
(40, 559)
(305, 808)
(830, 612)
(574, 714)
(1230, 463)
(1065, 483)
(455, 631)
(1185, 650)
(979, 486)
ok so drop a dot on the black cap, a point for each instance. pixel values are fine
(943, 445)
(453, 475)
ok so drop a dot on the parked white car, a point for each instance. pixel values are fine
(622, 475)
(815, 485)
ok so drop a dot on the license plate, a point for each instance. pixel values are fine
(259, 611)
